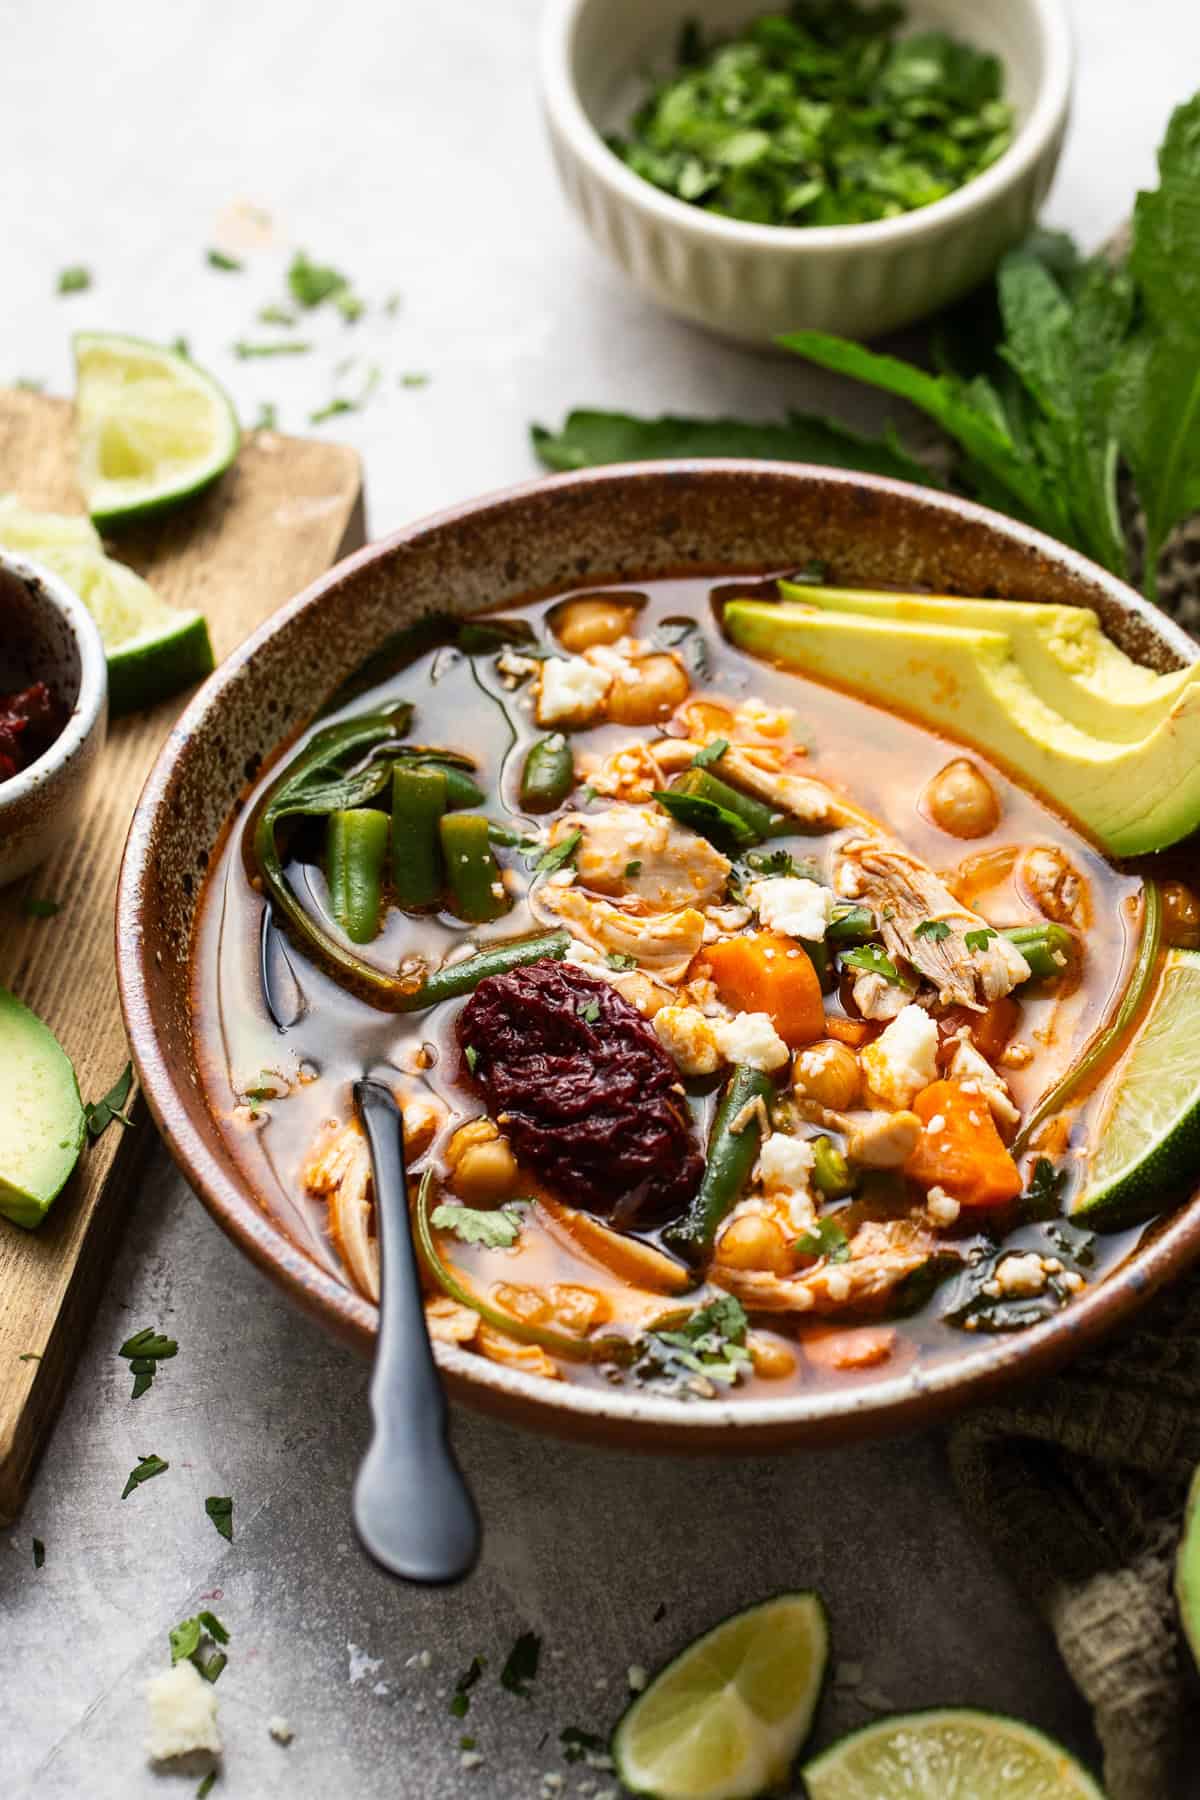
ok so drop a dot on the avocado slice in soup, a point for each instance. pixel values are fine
(42, 1124)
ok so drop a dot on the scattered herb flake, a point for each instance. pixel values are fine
(35, 907)
(560, 855)
(274, 314)
(711, 753)
(30, 1356)
(268, 417)
(934, 930)
(392, 304)
(472, 1056)
(1043, 1197)
(181, 347)
(74, 280)
(694, 1350)
(874, 961)
(184, 1639)
(349, 305)
(219, 1508)
(39, 1553)
(978, 941)
(30, 384)
(578, 1744)
(826, 1238)
(633, 869)
(494, 1228)
(522, 1665)
(220, 259)
(414, 378)
(590, 1013)
(285, 347)
(310, 283)
(206, 1785)
(146, 1470)
(99, 1114)
(619, 959)
(459, 1700)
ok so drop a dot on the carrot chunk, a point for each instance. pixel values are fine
(855, 1032)
(960, 1149)
(767, 973)
(847, 1347)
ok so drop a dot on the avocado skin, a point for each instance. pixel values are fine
(42, 1126)
(1132, 798)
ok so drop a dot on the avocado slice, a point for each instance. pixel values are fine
(41, 1122)
(1061, 650)
(1132, 797)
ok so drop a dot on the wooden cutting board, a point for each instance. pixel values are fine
(287, 510)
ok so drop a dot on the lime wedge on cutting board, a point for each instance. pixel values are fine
(726, 1719)
(1148, 1136)
(954, 1754)
(152, 648)
(153, 428)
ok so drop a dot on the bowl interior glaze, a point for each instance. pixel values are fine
(614, 524)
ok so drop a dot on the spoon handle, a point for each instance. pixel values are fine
(412, 1509)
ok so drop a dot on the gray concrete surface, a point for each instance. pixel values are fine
(403, 143)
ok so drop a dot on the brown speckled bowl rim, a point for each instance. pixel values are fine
(630, 1418)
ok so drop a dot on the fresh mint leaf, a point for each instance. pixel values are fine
(146, 1470)
(826, 1238)
(589, 437)
(935, 930)
(522, 1665)
(99, 1114)
(219, 1508)
(74, 280)
(711, 753)
(1156, 398)
(220, 259)
(496, 1229)
(978, 941)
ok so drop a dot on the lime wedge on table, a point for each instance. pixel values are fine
(152, 648)
(950, 1755)
(153, 428)
(1148, 1137)
(725, 1720)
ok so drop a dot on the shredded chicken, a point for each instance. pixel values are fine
(882, 1254)
(339, 1169)
(971, 1068)
(878, 998)
(450, 1322)
(760, 772)
(641, 852)
(662, 944)
(531, 1359)
(905, 895)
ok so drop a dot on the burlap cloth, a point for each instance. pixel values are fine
(1078, 1483)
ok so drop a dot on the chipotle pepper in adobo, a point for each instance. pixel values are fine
(29, 723)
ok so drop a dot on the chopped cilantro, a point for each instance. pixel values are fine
(181, 347)
(206, 1785)
(777, 862)
(274, 314)
(342, 403)
(184, 1639)
(219, 259)
(472, 1056)
(459, 1700)
(349, 305)
(587, 794)
(711, 753)
(312, 283)
(466, 1742)
(187, 1640)
(30, 1356)
(286, 347)
(392, 304)
(39, 1553)
(29, 384)
(935, 930)
(617, 959)
(145, 1349)
(578, 1744)
(74, 280)
(35, 908)
(560, 855)
(979, 940)
(522, 1665)
(495, 1229)
(414, 378)
(633, 868)
(146, 1470)
(826, 1238)
(99, 1114)
(1043, 1197)
(590, 1013)
(219, 1508)
(702, 1347)
(874, 961)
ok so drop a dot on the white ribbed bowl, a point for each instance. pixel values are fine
(752, 282)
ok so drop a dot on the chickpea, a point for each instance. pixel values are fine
(772, 1360)
(960, 800)
(650, 693)
(1181, 915)
(1048, 877)
(483, 1169)
(828, 1073)
(753, 1242)
(582, 623)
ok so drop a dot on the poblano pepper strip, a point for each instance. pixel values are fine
(732, 1152)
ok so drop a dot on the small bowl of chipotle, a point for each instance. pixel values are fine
(53, 712)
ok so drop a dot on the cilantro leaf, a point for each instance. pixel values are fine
(522, 1665)
(619, 959)
(184, 1639)
(459, 1700)
(244, 350)
(205, 1787)
(1157, 386)
(935, 930)
(633, 869)
(274, 314)
(496, 1229)
(874, 961)
(35, 908)
(1043, 1197)
(711, 753)
(219, 1508)
(690, 1352)
(99, 1114)
(979, 940)
(826, 1238)
(39, 1553)
(188, 1637)
(220, 259)
(472, 1056)
(589, 437)
(590, 1013)
(74, 280)
(144, 1350)
(312, 283)
(146, 1470)
(560, 855)
(268, 417)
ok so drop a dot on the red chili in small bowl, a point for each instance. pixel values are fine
(30, 720)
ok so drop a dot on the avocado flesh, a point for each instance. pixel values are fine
(1131, 797)
(41, 1121)
(1061, 650)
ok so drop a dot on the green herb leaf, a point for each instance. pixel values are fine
(219, 259)
(472, 1057)
(30, 1356)
(633, 869)
(219, 1508)
(496, 1229)
(935, 930)
(711, 753)
(1043, 1197)
(206, 1785)
(35, 908)
(184, 1639)
(414, 378)
(459, 1700)
(39, 1553)
(618, 959)
(578, 1744)
(275, 314)
(826, 1238)
(99, 1114)
(713, 821)
(560, 855)
(146, 1470)
(148, 1342)
(312, 283)
(978, 941)
(874, 961)
(590, 1013)
(522, 1665)
(245, 350)
(74, 280)
(589, 438)
(218, 1632)
(1157, 384)
(693, 1353)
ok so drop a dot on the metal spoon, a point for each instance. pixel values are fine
(413, 1510)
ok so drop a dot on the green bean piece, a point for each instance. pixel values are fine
(548, 775)
(460, 789)
(472, 872)
(702, 785)
(418, 804)
(464, 977)
(732, 1151)
(851, 925)
(356, 844)
(1048, 949)
(831, 1171)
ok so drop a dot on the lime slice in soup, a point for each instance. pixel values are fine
(726, 1719)
(153, 428)
(1147, 1139)
(949, 1755)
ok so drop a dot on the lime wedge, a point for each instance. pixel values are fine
(1148, 1136)
(152, 648)
(1187, 1569)
(727, 1718)
(954, 1754)
(153, 428)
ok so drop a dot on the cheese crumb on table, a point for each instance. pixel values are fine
(280, 1730)
(183, 1713)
